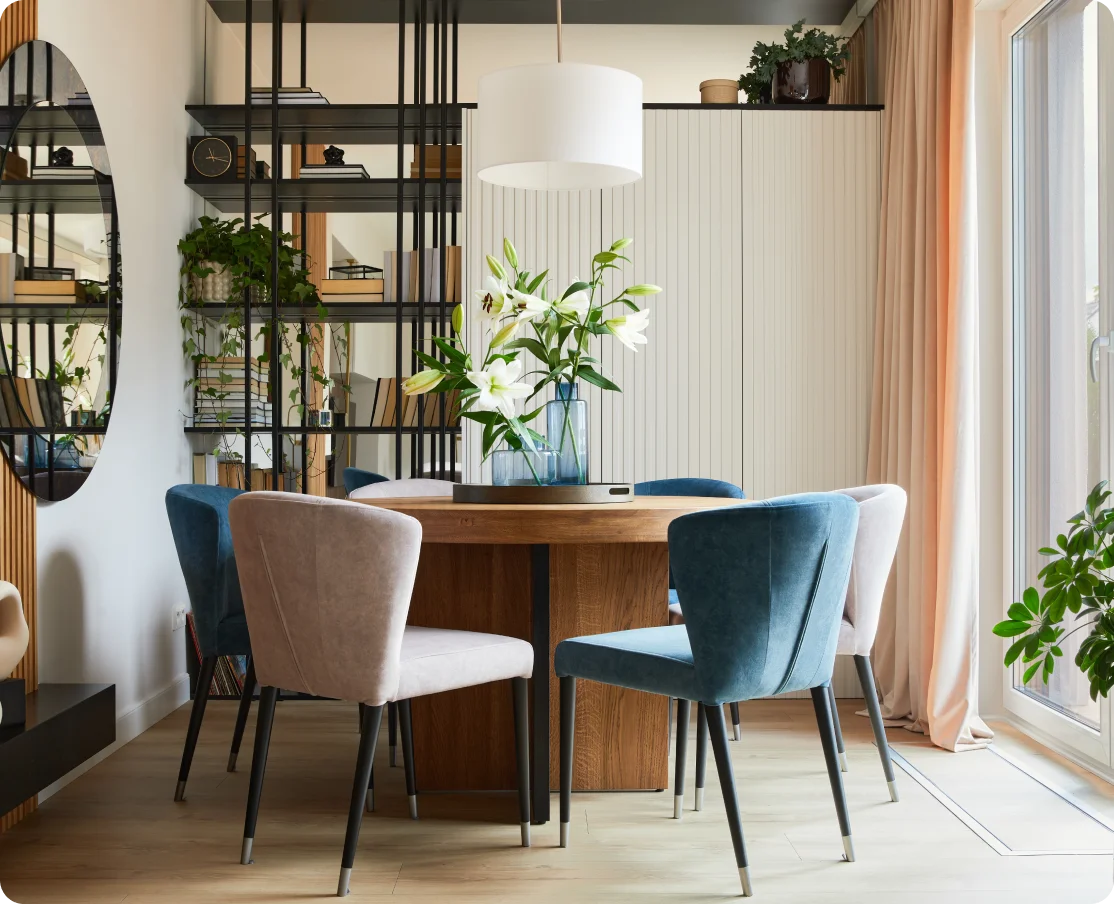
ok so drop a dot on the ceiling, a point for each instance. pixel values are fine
(540, 12)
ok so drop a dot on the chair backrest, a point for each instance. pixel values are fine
(762, 587)
(881, 516)
(199, 522)
(397, 489)
(326, 588)
(689, 486)
(354, 478)
(13, 629)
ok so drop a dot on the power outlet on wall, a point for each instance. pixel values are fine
(178, 618)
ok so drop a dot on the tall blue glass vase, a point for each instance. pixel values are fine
(567, 432)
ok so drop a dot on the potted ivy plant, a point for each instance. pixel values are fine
(800, 71)
(1078, 579)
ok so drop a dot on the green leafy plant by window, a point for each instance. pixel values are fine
(799, 47)
(1078, 578)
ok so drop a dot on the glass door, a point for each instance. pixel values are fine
(1063, 366)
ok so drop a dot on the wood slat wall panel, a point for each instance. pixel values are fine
(18, 25)
(762, 229)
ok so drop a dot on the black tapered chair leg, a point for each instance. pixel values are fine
(840, 749)
(568, 732)
(360, 717)
(701, 754)
(197, 714)
(392, 730)
(369, 737)
(406, 726)
(268, 697)
(369, 798)
(870, 693)
(821, 701)
(736, 728)
(519, 691)
(717, 731)
(684, 714)
(242, 714)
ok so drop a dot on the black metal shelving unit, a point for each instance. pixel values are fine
(422, 116)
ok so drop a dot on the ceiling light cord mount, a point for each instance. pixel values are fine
(559, 126)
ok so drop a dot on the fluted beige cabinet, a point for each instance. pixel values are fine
(761, 226)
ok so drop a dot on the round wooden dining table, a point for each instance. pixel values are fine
(543, 573)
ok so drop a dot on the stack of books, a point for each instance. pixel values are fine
(333, 171)
(385, 408)
(66, 173)
(231, 671)
(47, 291)
(289, 97)
(431, 276)
(351, 291)
(433, 161)
(221, 396)
(80, 99)
(26, 402)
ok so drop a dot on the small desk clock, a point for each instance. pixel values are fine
(212, 157)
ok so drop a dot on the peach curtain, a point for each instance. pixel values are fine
(851, 89)
(923, 423)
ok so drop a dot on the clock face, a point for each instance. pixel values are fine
(212, 157)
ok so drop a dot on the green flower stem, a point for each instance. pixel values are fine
(533, 470)
(566, 431)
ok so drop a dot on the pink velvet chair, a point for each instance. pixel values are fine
(326, 587)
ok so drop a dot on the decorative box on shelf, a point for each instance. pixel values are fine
(352, 270)
(352, 291)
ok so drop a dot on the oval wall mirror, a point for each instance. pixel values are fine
(60, 274)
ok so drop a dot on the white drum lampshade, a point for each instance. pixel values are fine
(559, 126)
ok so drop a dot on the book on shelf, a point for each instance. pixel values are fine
(80, 99)
(385, 408)
(28, 402)
(50, 291)
(452, 157)
(261, 169)
(231, 474)
(333, 171)
(230, 672)
(205, 468)
(288, 96)
(430, 275)
(15, 167)
(258, 387)
(66, 173)
(13, 413)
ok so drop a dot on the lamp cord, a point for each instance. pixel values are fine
(558, 31)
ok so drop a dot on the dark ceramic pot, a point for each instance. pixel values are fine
(809, 82)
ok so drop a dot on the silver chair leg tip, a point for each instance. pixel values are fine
(678, 806)
(848, 849)
(369, 801)
(744, 879)
(245, 852)
(842, 761)
(393, 748)
(699, 799)
(180, 792)
(564, 834)
(738, 732)
(893, 791)
(232, 762)
(525, 827)
(413, 798)
(342, 886)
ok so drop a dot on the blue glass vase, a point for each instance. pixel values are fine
(567, 432)
(512, 468)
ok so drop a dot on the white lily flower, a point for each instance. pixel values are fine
(492, 298)
(530, 307)
(628, 329)
(575, 306)
(498, 386)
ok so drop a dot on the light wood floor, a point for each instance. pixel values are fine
(115, 834)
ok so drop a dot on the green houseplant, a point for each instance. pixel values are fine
(1078, 578)
(796, 71)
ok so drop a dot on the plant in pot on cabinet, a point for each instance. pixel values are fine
(800, 71)
(564, 327)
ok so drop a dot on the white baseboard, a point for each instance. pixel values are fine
(130, 726)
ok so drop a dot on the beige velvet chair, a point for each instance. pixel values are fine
(326, 587)
(14, 635)
(396, 489)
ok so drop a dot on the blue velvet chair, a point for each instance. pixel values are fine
(691, 486)
(354, 478)
(199, 521)
(763, 587)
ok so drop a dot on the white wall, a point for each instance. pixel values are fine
(108, 573)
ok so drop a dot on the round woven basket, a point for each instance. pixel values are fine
(719, 91)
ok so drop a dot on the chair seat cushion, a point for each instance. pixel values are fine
(232, 636)
(846, 643)
(658, 660)
(674, 603)
(436, 659)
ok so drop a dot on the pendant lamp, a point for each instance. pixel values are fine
(559, 126)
